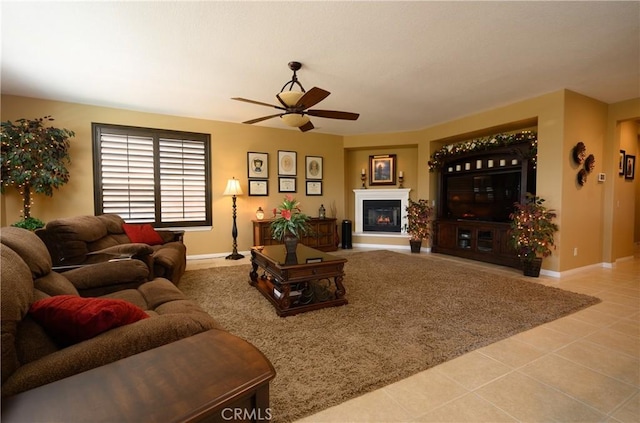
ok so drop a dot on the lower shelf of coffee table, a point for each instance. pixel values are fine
(297, 304)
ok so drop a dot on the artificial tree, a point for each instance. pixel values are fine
(33, 159)
(418, 222)
(532, 232)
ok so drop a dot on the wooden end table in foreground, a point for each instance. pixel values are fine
(307, 280)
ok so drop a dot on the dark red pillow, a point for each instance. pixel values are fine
(70, 319)
(143, 233)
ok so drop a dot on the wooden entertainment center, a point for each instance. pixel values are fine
(476, 194)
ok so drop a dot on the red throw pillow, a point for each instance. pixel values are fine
(70, 319)
(143, 233)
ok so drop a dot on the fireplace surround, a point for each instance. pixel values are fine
(384, 202)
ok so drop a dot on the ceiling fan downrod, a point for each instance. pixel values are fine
(294, 66)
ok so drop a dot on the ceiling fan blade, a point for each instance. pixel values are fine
(260, 119)
(307, 127)
(257, 102)
(333, 114)
(312, 97)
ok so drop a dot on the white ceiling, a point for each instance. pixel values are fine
(401, 65)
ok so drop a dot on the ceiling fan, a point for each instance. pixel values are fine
(295, 104)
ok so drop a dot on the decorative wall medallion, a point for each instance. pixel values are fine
(579, 153)
(590, 163)
(582, 177)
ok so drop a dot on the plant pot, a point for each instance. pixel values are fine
(290, 244)
(415, 244)
(532, 267)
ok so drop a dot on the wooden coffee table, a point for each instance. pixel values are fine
(308, 280)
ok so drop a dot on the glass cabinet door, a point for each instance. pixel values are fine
(485, 240)
(464, 238)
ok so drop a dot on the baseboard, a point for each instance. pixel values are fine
(390, 247)
(215, 255)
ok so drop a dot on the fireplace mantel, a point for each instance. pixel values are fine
(401, 194)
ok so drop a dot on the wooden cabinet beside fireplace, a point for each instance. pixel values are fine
(324, 235)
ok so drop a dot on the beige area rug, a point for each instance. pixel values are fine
(405, 314)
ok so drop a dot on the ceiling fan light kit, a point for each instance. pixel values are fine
(295, 104)
(295, 120)
(289, 98)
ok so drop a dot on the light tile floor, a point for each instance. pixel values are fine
(581, 368)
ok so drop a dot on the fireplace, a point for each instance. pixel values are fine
(385, 211)
(381, 215)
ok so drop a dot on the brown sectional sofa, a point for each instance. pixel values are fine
(82, 240)
(35, 365)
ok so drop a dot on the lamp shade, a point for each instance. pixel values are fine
(294, 119)
(233, 187)
(290, 98)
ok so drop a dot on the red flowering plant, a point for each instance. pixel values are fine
(532, 228)
(290, 220)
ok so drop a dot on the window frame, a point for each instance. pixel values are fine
(97, 129)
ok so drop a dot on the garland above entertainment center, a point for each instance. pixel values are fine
(451, 151)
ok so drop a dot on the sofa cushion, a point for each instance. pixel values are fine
(143, 233)
(16, 295)
(112, 222)
(29, 247)
(70, 319)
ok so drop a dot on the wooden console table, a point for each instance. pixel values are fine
(324, 235)
(204, 377)
(299, 283)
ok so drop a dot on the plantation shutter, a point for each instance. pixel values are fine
(182, 180)
(154, 176)
(128, 177)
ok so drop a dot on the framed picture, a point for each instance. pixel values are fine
(382, 170)
(258, 165)
(314, 187)
(621, 163)
(287, 163)
(286, 184)
(313, 167)
(630, 167)
(258, 187)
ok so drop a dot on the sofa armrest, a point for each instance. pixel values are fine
(218, 371)
(129, 250)
(172, 235)
(102, 278)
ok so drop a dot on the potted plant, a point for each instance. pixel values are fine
(532, 233)
(418, 223)
(289, 223)
(33, 159)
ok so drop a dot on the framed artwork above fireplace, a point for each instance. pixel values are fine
(382, 170)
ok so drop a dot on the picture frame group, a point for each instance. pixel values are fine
(287, 169)
(258, 173)
(627, 165)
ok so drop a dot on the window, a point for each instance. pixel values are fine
(151, 175)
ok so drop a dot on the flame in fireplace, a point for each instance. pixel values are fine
(383, 220)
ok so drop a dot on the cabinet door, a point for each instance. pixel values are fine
(446, 235)
(485, 240)
(324, 233)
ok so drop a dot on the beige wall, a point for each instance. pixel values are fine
(627, 201)
(582, 206)
(230, 143)
(621, 207)
(595, 218)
